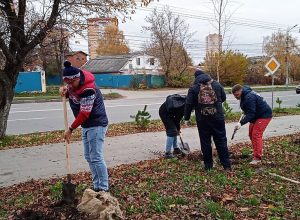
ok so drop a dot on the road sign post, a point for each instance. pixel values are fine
(272, 66)
(273, 91)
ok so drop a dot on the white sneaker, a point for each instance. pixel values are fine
(255, 162)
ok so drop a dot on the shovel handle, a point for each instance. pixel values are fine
(66, 128)
(180, 138)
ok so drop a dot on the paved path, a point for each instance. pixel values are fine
(19, 165)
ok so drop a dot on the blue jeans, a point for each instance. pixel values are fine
(93, 141)
(171, 142)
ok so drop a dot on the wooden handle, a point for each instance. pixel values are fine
(66, 129)
(65, 113)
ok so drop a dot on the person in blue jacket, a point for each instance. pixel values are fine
(258, 113)
(209, 125)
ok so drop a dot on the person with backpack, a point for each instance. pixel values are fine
(171, 112)
(256, 112)
(206, 97)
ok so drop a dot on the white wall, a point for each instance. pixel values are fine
(145, 66)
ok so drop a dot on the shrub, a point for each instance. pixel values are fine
(227, 110)
(180, 81)
(142, 118)
(279, 101)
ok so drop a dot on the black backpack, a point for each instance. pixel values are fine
(175, 102)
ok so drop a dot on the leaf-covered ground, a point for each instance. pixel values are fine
(179, 188)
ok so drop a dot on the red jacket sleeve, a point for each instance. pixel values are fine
(86, 106)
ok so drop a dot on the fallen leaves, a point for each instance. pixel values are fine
(179, 189)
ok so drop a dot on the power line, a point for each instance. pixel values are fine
(209, 17)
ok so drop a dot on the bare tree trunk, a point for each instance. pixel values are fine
(6, 97)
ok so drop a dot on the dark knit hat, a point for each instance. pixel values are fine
(198, 73)
(70, 72)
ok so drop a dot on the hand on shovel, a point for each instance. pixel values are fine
(237, 126)
(67, 135)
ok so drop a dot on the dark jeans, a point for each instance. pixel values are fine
(213, 127)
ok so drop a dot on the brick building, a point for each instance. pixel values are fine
(96, 27)
(212, 43)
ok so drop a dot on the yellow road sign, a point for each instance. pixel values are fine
(272, 65)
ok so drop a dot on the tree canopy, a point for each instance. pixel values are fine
(112, 42)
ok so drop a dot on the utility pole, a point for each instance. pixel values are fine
(287, 54)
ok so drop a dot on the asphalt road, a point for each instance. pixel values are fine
(38, 117)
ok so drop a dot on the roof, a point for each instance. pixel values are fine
(107, 64)
(75, 52)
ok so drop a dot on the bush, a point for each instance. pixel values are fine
(279, 102)
(142, 118)
(227, 110)
(180, 81)
(138, 81)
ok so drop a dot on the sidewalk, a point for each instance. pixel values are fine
(19, 165)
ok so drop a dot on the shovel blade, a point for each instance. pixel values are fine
(68, 192)
(185, 148)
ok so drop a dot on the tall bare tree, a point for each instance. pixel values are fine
(169, 36)
(26, 23)
(222, 17)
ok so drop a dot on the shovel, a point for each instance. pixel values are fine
(184, 147)
(68, 190)
(235, 130)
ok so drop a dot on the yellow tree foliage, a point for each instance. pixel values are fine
(112, 42)
(233, 67)
(275, 45)
(294, 70)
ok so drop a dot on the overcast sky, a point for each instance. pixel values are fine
(259, 17)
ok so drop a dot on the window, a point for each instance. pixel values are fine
(152, 61)
(138, 61)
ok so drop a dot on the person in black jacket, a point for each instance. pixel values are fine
(258, 113)
(171, 113)
(212, 125)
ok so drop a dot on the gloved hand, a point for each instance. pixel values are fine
(186, 123)
(237, 126)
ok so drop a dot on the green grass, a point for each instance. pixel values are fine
(268, 89)
(50, 91)
(181, 189)
(56, 190)
(218, 211)
(286, 111)
(53, 93)
(162, 204)
(3, 213)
